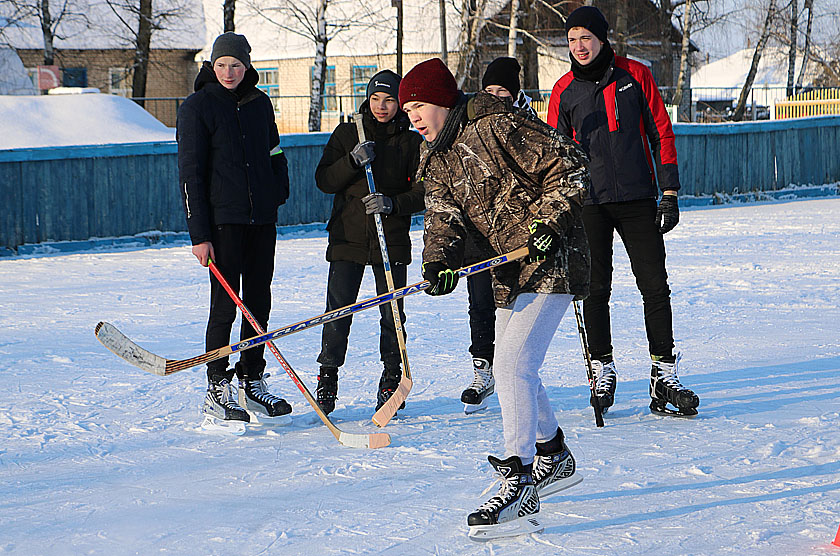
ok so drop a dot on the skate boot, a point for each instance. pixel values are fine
(221, 412)
(513, 510)
(388, 384)
(327, 388)
(665, 388)
(605, 381)
(554, 467)
(261, 404)
(482, 387)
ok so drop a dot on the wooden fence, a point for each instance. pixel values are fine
(813, 103)
(77, 193)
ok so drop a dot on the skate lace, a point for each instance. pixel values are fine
(667, 373)
(258, 389)
(481, 380)
(227, 396)
(542, 467)
(604, 375)
(501, 497)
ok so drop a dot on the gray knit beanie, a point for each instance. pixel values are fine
(231, 44)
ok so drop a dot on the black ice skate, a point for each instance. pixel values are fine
(605, 381)
(482, 387)
(261, 404)
(665, 388)
(221, 412)
(327, 388)
(554, 467)
(513, 510)
(388, 384)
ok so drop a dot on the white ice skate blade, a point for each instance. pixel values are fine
(561, 484)
(520, 526)
(279, 421)
(220, 426)
(470, 408)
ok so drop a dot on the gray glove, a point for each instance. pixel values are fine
(362, 154)
(377, 203)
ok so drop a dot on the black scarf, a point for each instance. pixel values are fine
(595, 70)
(451, 126)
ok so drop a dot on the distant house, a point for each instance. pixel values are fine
(717, 85)
(93, 50)
(285, 60)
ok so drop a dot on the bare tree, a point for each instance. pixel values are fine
(472, 22)
(741, 105)
(229, 9)
(138, 22)
(809, 5)
(50, 19)
(444, 50)
(792, 37)
(684, 51)
(514, 14)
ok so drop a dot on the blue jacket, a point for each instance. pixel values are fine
(230, 169)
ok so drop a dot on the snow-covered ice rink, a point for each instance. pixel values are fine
(98, 457)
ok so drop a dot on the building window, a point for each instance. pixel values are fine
(119, 82)
(269, 83)
(361, 77)
(330, 100)
(74, 77)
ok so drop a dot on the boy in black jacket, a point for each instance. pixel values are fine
(393, 151)
(610, 105)
(233, 177)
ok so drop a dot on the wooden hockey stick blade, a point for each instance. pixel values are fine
(385, 413)
(123, 347)
(373, 440)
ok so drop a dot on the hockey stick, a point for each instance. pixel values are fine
(122, 346)
(389, 408)
(590, 374)
(373, 440)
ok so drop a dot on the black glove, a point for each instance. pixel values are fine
(442, 278)
(542, 242)
(362, 154)
(377, 203)
(667, 214)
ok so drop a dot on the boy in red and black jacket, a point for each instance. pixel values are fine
(610, 105)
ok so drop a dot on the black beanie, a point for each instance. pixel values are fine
(591, 18)
(231, 44)
(503, 71)
(385, 81)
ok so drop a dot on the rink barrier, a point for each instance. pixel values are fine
(73, 194)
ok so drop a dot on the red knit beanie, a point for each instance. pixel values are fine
(429, 81)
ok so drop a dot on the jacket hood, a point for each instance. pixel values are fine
(207, 76)
(484, 104)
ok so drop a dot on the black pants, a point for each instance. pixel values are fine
(635, 222)
(482, 315)
(248, 252)
(343, 283)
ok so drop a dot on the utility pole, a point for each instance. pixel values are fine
(444, 51)
(399, 5)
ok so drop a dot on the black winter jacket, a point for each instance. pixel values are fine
(614, 119)
(352, 233)
(228, 173)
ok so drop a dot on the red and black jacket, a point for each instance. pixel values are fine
(618, 121)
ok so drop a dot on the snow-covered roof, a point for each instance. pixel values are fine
(94, 24)
(372, 27)
(82, 119)
(13, 77)
(732, 70)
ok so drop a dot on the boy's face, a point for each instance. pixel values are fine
(383, 106)
(583, 45)
(497, 90)
(427, 118)
(229, 71)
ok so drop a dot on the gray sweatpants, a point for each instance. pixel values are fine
(523, 332)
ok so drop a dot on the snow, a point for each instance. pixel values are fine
(76, 119)
(101, 458)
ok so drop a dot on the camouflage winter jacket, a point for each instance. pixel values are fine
(500, 173)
